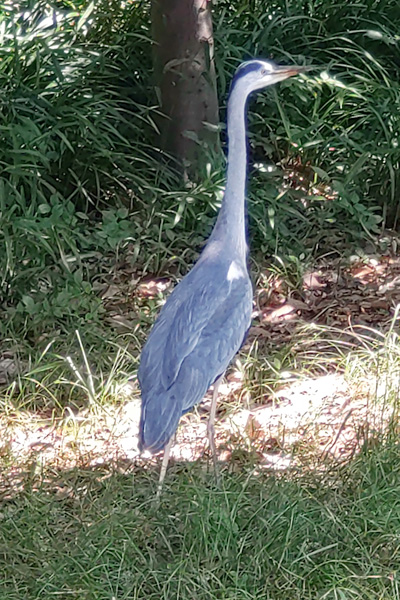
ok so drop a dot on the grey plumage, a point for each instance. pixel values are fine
(179, 363)
(205, 319)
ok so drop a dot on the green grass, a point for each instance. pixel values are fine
(86, 202)
(83, 178)
(96, 534)
(84, 187)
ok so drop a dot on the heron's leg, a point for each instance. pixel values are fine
(164, 466)
(210, 426)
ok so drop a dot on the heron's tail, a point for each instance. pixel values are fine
(158, 423)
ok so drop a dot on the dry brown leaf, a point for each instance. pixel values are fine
(298, 304)
(312, 281)
(153, 287)
(120, 321)
(253, 428)
(281, 313)
(111, 291)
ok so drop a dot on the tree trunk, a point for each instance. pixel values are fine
(185, 75)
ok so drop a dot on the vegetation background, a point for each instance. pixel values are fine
(89, 204)
(84, 184)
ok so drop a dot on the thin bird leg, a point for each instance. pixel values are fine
(210, 426)
(164, 466)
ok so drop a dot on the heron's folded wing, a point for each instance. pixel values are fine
(188, 310)
(221, 337)
(211, 324)
(194, 313)
(196, 336)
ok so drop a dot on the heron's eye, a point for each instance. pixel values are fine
(263, 71)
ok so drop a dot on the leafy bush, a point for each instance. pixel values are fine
(76, 153)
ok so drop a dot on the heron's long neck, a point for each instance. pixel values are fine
(230, 225)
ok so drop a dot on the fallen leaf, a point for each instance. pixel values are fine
(281, 313)
(312, 281)
(298, 304)
(153, 287)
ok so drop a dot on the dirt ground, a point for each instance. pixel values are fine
(323, 414)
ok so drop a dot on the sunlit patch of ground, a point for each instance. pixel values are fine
(308, 421)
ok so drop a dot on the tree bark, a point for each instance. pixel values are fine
(185, 75)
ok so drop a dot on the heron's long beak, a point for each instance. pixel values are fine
(291, 70)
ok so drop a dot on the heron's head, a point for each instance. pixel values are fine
(257, 74)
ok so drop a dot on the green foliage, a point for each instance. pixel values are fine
(91, 533)
(83, 183)
(76, 153)
(68, 121)
(337, 128)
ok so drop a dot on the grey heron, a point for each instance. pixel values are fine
(206, 318)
